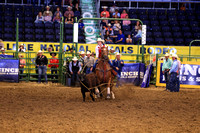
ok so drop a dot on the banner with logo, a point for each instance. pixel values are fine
(9, 70)
(146, 79)
(189, 75)
(131, 73)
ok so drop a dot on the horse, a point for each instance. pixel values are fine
(104, 72)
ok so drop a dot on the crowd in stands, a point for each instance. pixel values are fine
(49, 17)
(112, 30)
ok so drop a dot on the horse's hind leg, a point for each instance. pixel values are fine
(91, 95)
(97, 92)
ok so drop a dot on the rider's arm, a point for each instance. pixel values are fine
(97, 52)
(80, 68)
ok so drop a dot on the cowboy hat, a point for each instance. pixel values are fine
(118, 54)
(167, 54)
(88, 52)
(2, 49)
(69, 7)
(40, 51)
(109, 24)
(100, 40)
(104, 7)
(174, 55)
(82, 52)
(47, 7)
(75, 58)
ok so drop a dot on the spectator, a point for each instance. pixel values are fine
(112, 21)
(116, 13)
(108, 29)
(75, 69)
(113, 8)
(53, 65)
(69, 19)
(58, 11)
(93, 54)
(167, 63)
(22, 63)
(120, 38)
(129, 39)
(49, 12)
(117, 66)
(182, 7)
(1, 44)
(3, 51)
(21, 48)
(41, 62)
(104, 23)
(173, 74)
(124, 13)
(47, 18)
(137, 26)
(107, 38)
(77, 8)
(39, 18)
(89, 62)
(116, 26)
(81, 25)
(138, 36)
(69, 12)
(105, 11)
(57, 18)
(126, 22)
(49, 49)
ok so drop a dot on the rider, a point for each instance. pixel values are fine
(98, 51)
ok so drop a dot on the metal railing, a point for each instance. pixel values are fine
(191, 45)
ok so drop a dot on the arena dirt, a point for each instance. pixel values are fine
(32, 107)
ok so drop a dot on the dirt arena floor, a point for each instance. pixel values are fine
(32, 107)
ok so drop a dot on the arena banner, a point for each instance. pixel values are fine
(122, 48)
(146, 79)
(189, 75)
(9, 69)
(131, 73)
(5, 56)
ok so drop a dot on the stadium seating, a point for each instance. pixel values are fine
(28, 30)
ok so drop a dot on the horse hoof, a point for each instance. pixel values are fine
(108, 97)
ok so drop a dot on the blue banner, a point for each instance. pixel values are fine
(131, 73)
(146, 79)
(189, 74)
(9, 70)
(5, 56)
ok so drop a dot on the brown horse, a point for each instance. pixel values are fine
(104, 72)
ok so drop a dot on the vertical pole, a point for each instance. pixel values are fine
(76, 44)
(17, 39)
(137, 53)
(156, 66)
(190, 49)
(60, 50)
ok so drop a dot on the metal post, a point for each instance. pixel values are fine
(142, 53)
(17, 38)
(61, 49)
(138, 52)
(191, 45)
(76, 44)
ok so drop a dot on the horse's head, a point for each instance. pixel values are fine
(104, 52)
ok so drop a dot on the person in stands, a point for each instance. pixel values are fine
(124, 14)
(109, 29)
(120, 38)
(58, 11)
(1, 44)
(47, 17)
(41, 62)
(69, 11)
(57, 18)
(39, 18)
(105, 11)
(75, 69)
(49, 12)
(54, 65)
(69, 19)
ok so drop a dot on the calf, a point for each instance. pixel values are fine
(89, 81)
